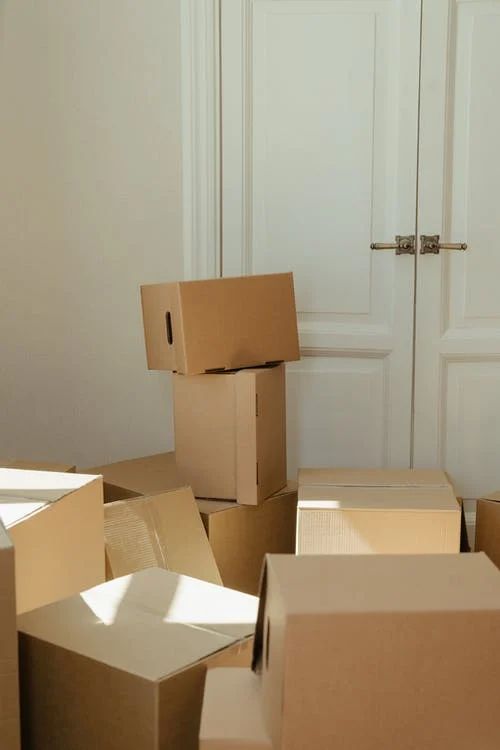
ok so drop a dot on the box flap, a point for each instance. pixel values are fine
(5, 541)
(374, 477)
(243, 726)
(377, 498)
(23, 493)
(146, 475)
(321, 584)
(153, 623)
(163, 530)
(260, 433)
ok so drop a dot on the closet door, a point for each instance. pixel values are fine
(319, 155)
(457, 384)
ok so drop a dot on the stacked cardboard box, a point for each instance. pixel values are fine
(123, 664)
(368, 511)
(366, 652)
(239, 535)
(226, 341)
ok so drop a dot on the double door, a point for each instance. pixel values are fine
(347, 124)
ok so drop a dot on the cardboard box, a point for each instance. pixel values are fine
(220, 324)
(488, 526)
(377, 652)
(10, 728)
(19, 463)
(376, 511)
(164, 531)
(230, 433)
(55, 522)
(241, 536)
(241, 728)
(123, 665)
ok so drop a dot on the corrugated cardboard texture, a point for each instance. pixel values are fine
(163, 531)
(123, 665)
(488, 527)
(242, 727)
(240, 536)
(56, 524)
(371, 650)
(39, 466)
(146, 475)
(220, 323)
(10, 736)
(230, 433)
(368, 520)
(374, 477)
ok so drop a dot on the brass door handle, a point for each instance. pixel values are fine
(430, 245)
(403, 245)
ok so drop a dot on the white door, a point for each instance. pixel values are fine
(319, 158)
(457, 383)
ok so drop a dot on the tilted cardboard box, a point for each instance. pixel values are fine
(56, 522)
(10, 728)
(240, 728)
(230, 433)
(376, 511)
(163, 530)
(241, 536)
(123, 664)
(220, 324)
(378, 652)
(488, 526)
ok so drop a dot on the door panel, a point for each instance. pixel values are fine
(457, 385)
(319, 153)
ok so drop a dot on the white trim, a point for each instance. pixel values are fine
(200, 137)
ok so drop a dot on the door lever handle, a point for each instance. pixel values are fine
(403, 245)
(430, 245)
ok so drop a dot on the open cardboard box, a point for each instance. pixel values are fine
(376, 652)
(344, 511)
(194, 327)
(10, 727)
(151, 520)
(55, 522)
(123, 664)
(230, 433)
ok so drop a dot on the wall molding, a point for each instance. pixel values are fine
(200, 111)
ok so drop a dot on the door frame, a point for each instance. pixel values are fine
(200, 132)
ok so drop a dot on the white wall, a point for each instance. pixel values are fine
(90, 207)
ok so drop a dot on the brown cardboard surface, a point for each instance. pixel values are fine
(488, 527)
(19, 463)
(374, 477)
(10, 728)
(240, 536)
(56, 524)
(143, 643)
(163, 530)
(230, 433)
(380, 519)
(220, 323)
(371, 651)
(240, 728)
(146, 475)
